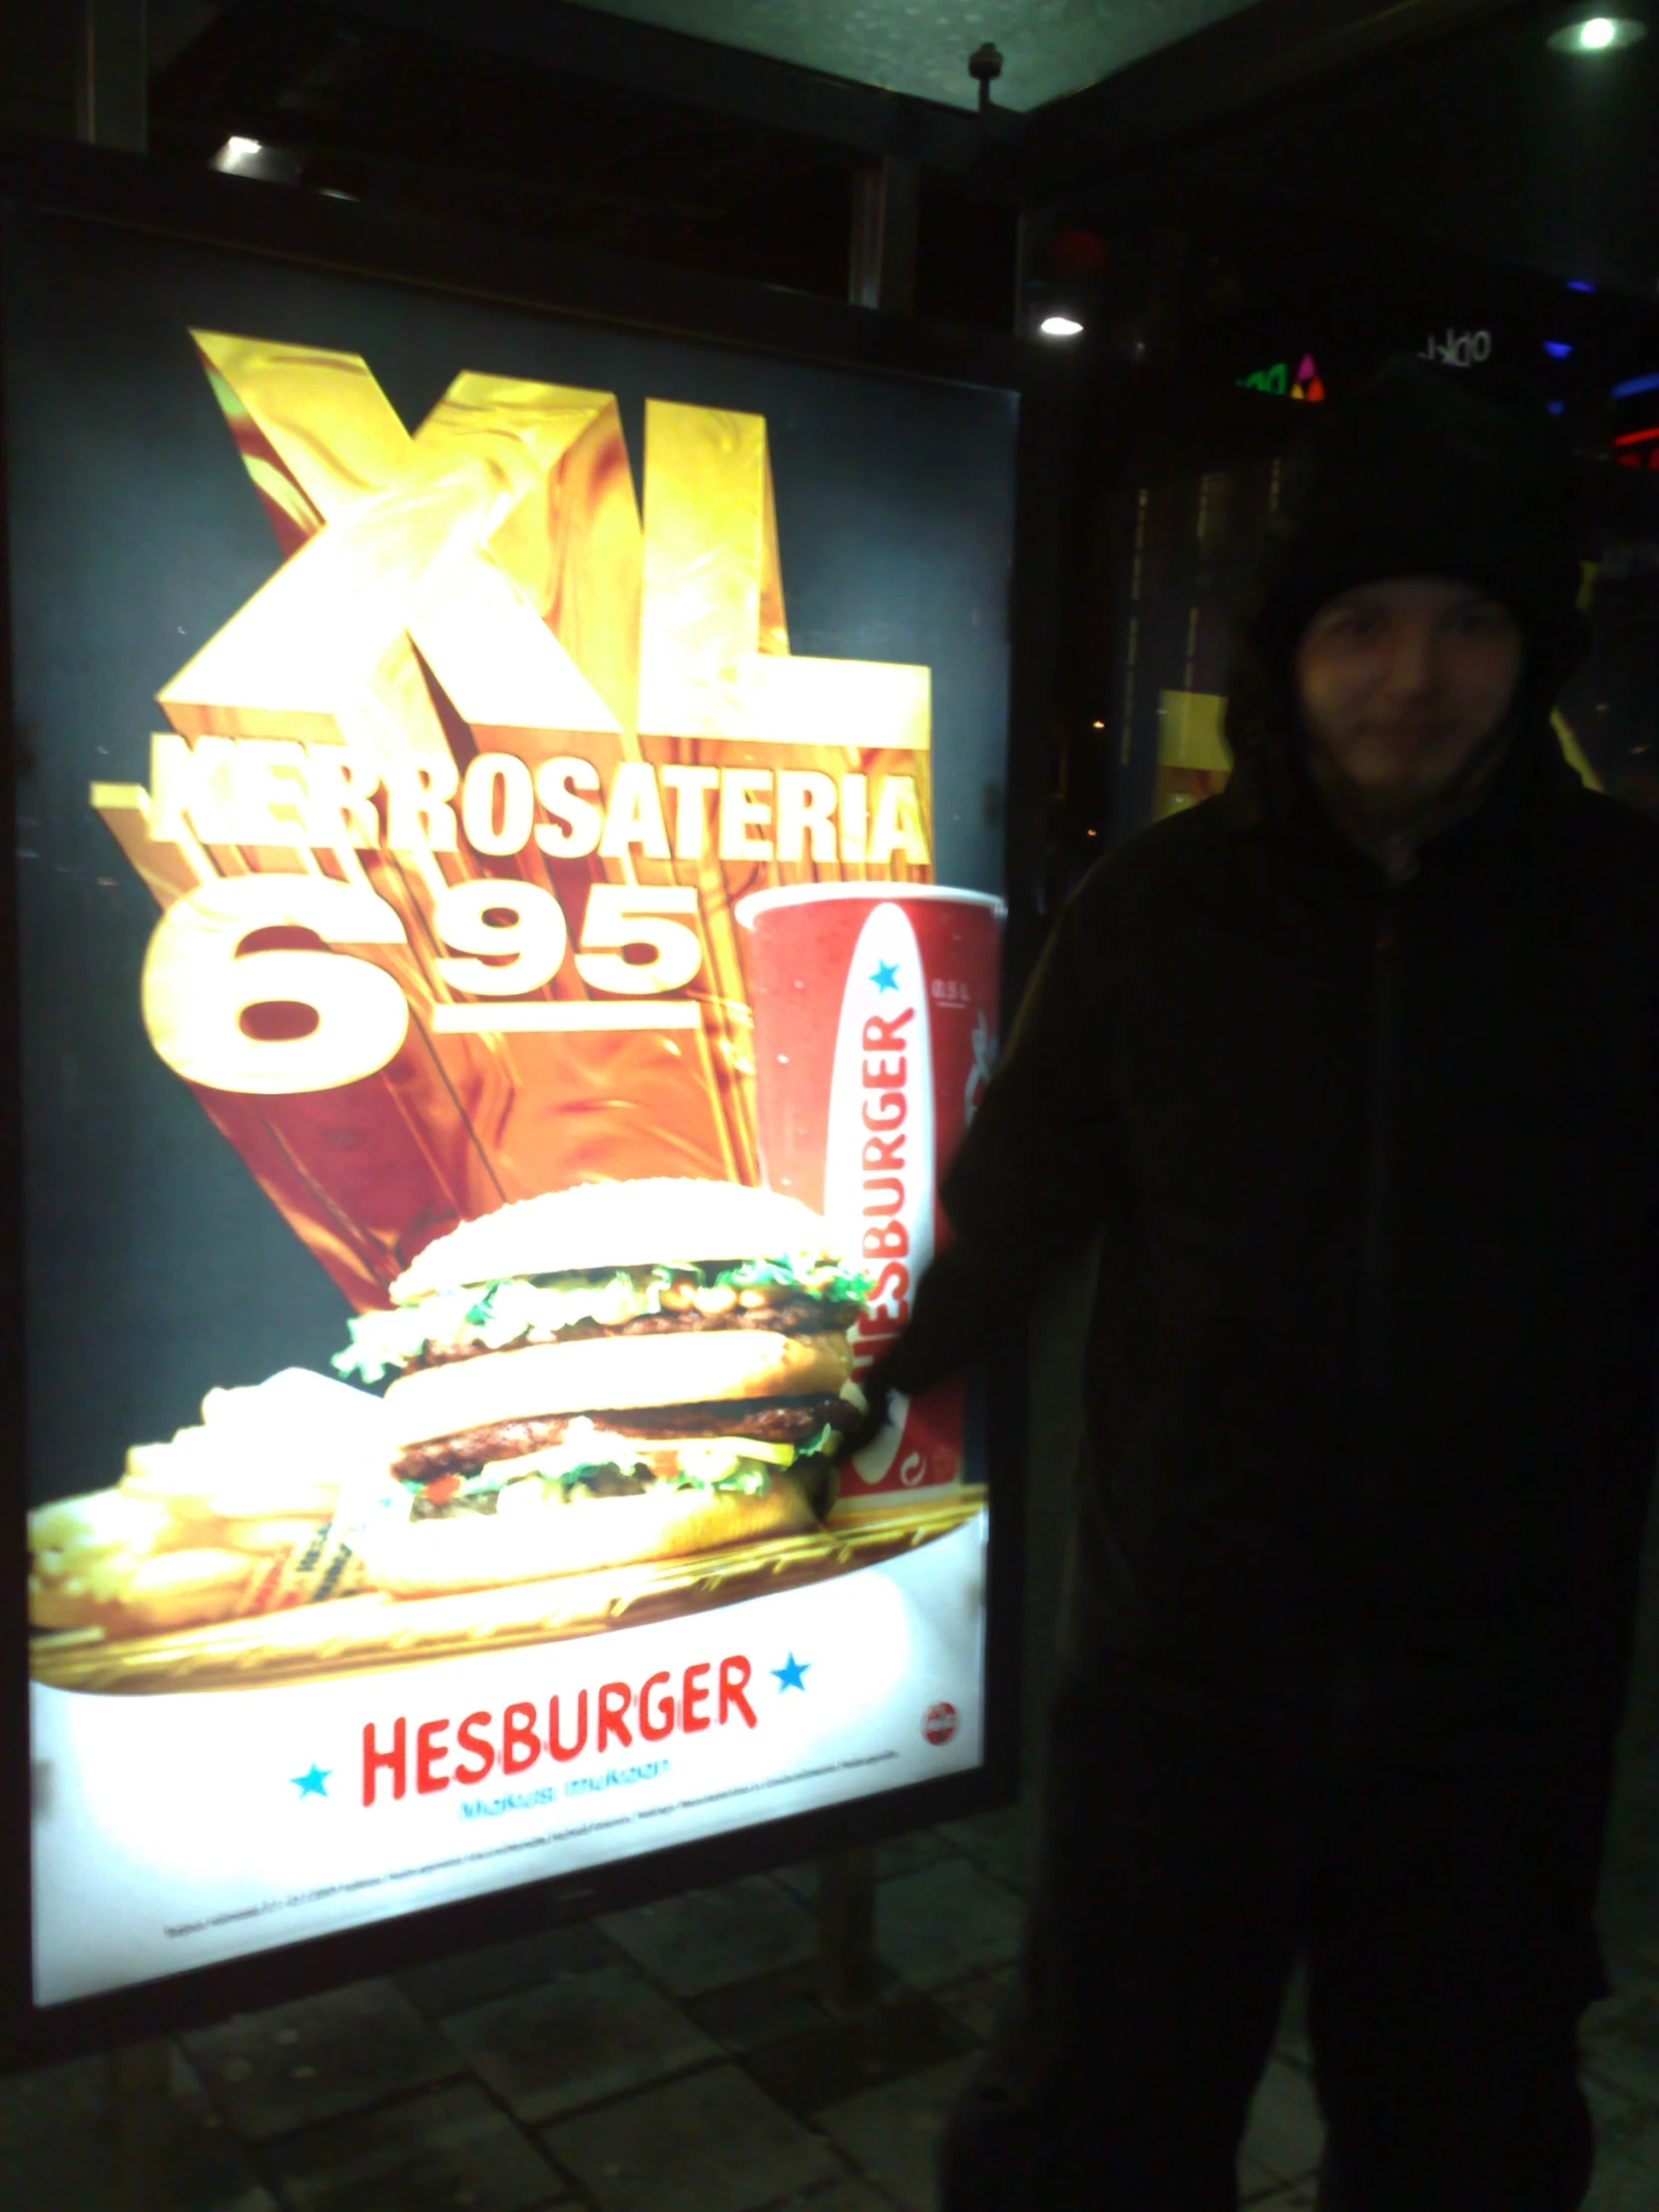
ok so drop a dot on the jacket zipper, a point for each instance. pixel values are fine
(1399, 867)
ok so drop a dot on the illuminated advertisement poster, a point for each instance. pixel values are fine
(508, 866)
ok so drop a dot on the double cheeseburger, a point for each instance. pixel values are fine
(616, 1372)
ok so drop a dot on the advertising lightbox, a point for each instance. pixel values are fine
(508, 904)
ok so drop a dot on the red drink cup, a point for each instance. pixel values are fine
(876, 1009)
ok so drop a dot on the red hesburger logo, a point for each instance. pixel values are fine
(435, 1755)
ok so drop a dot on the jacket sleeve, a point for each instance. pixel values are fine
(1027, 1187)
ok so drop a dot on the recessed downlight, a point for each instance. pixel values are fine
(1060, 327)
(237, 153)
(1597, 34)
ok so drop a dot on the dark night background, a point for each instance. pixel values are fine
(156, 1266)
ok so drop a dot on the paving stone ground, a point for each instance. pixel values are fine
(680, 2058)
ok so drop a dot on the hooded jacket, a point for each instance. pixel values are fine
(1371, 1382)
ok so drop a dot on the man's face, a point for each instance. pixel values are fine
(1401, 683)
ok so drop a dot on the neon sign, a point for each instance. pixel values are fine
(1460, 349)
(1307, 383)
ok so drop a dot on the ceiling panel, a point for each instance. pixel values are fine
(920, 47)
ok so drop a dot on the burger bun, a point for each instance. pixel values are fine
(613, 1374)
(476, 1551)
(656, 1221)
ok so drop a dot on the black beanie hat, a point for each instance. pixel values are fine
(1429, 471)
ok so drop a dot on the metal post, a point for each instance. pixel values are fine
(112, 86)
(847, 1929)
(140, 2110)
(1024, 235)
(887, 211)
(886, 208)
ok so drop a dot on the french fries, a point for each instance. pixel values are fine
(231, 1517)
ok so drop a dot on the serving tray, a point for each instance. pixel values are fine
(365, 1634)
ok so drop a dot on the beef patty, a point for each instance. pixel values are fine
(796, 1316)
(772, 1421)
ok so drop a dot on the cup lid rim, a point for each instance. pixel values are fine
(754, 903)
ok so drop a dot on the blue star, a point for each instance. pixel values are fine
(311, 1784)
(793, 1675)
(885, 977)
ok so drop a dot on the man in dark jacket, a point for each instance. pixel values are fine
(1353, 1070)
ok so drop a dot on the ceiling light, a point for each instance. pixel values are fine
(1597, 34)
(236, 151)
(1557, 349)
(1060, 327)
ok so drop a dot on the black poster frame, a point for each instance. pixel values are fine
(273, 223)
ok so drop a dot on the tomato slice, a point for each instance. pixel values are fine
(441, 1489)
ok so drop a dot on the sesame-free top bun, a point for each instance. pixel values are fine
(648, 1223)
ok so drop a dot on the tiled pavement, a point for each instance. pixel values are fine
(677, 2059)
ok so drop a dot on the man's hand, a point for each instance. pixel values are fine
(872, 1421)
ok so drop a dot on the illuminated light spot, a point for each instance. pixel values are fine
(235, 152)
(1597, 34)
(1060, 327)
